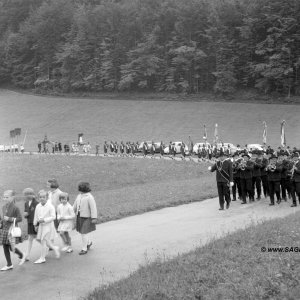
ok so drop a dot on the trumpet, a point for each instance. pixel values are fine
(242, 164)
(271, 167)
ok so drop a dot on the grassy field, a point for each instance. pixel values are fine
(233, 267)
(121, 186)
(63, 118)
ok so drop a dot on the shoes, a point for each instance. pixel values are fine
(227, 205)
(89, 246)
(293, 205)
(40, 261)
(65, 248)
(279, 201)
(258, 198)
(82, 252)
(22, 260)
(6, 268)
(284, 199)
(234, 199)
(271, 204)
(69, 250)
(244, 202)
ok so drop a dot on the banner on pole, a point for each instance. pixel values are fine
(17, 131)
(216, 137)
(205, 134)
(282, 134)
(12, 134)
(265, 133)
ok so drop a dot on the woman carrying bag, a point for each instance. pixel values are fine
(86, 215)
(10, 216)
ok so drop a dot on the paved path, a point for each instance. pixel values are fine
(121, 246)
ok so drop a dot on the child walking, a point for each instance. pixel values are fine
(44, 217)
(86, 213)
(65, 216)
(29, 210)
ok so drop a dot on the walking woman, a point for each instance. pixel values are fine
(10, 213)
(86, 215)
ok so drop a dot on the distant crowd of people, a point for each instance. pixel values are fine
(47, 213)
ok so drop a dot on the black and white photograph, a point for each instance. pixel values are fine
(150, 149)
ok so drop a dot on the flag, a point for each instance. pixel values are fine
(17, 131)
(216, 137)
(205, 134)
(282, 134)
(265, 133)
(80, 140)
(12, 133)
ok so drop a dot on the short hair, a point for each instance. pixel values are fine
(41, 192)
(84, 187)
(53, 183)
(11, 192)
(63, 196)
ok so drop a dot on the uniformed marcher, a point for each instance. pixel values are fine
(224, 177)
(256, 179)
(274, 176)
(105, 148)
(236, 177)
(161, 149)
(246, 171)
(295, 178)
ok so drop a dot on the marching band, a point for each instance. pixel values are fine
(273, 174)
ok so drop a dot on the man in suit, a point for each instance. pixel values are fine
(224, 177)
(256, 179)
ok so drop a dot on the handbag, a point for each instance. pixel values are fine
(15, 231)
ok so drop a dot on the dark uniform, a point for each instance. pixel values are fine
(246, 174)
(224, 176)
(40, 147)
(236, 180)
(105, 148)
(256, 179)
(264, 177)
(274, 177)
(161, 149)
(295, 179)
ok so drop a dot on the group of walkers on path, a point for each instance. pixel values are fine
(47, 214)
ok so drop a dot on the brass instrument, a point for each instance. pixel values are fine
(294, 167)
(242, 164)
(271, 167)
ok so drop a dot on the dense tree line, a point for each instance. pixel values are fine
(156, 45)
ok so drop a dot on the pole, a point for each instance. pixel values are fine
(25, 138)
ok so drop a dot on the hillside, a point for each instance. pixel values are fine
(129, 120)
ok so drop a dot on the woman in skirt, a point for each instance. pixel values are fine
(86, 215)
(10, 213)
(30, 205)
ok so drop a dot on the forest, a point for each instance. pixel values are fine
(177, 46)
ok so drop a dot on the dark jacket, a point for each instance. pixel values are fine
(30, 210)
(257, 168)
(248, 172)
(223, 171)
(276, 174)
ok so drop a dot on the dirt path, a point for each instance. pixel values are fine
(121, 246)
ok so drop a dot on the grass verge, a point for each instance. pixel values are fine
(121, 186)
(233, 267)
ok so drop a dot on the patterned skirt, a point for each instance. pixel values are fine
(7, 239)
(84, 225)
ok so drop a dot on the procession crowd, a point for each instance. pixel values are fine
(47, 213)
(262, 172)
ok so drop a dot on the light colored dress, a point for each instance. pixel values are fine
(46, 231)
(66, 211)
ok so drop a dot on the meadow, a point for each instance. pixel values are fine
(121, 186)
(136, 120)
(233, 267)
